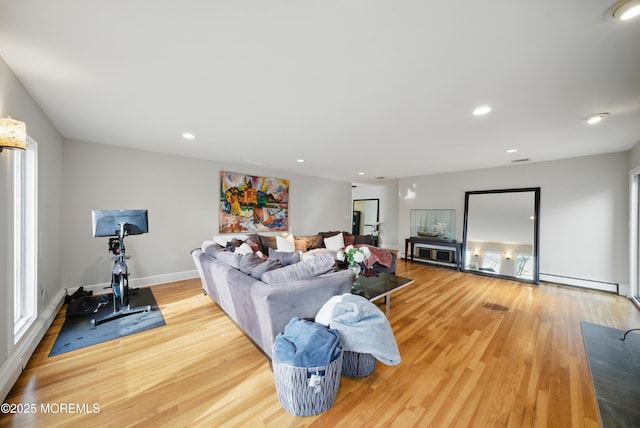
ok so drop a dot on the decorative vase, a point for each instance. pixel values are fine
(355, 268)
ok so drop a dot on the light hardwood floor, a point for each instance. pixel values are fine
(476, 351)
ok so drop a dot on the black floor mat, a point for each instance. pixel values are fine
(615, 371)
(78, 331)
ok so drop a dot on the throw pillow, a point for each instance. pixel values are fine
(328, 234)
(248, 262)
(363, 239)
(285, 244)
(254, 246)
(223, 240)
(234, 243)
(254, 239)
(334, 243)
(266, 266)
(349, 240)
(286, 258)
(256, 249)
(313, 241)
(244, 248)
(300, 245)
(315, 266)
(267, 242)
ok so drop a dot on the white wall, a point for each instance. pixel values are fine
(634, 156)
(182, 196)
(16, 101)
(388, 195)
(583, 210)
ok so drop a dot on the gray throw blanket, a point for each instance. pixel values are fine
(363, 327)
(306, 344)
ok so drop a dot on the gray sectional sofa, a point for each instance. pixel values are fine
(262, 303)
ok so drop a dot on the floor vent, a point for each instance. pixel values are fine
(495, 307)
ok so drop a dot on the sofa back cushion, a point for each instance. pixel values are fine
(309, 268)
(248, 262)
(265, 266)
(286, 257)
(229, 257)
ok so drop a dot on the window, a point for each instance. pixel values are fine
(491, 261)
(24, 237)
(524, 266)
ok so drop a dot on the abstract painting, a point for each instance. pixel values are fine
(253, 204)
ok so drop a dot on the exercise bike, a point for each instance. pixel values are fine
(120, 280)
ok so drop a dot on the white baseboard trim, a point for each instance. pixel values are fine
(147, 281)
(610, 287)
(19, 357)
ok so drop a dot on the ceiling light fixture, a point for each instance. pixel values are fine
(361, 173)
(596, 118)
(511, 151)
(300, 160)
(188, 136)
(624, 10)
(13, 134)
(481, 111)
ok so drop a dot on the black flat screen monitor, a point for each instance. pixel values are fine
(107, 222)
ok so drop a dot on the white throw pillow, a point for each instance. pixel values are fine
(221, 240)
(244, 249)
(334, 242)
(285, 244)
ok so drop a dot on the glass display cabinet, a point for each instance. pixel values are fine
(433, 224)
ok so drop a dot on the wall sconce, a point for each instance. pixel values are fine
(13, 134)
(507, 256)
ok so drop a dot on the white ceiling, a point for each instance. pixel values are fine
(380, 87)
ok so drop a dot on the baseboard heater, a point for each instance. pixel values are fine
(611, 287)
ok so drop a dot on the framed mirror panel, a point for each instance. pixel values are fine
(366, 214)
(500, 233)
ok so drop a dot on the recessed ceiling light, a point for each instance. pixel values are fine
(624, 10)
(300, 160)
(188, 136)
(511, 151)
(596, 118)
(482, 110)
(361, 173)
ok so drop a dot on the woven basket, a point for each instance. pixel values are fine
(355, 364)
(295, 394)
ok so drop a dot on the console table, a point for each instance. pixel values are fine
(436, 251)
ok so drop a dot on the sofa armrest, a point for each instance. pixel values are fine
(276, 304)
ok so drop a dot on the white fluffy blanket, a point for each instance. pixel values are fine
(362, 326)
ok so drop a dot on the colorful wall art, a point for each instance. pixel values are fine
(253, 204)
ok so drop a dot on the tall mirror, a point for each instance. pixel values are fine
(500, 235)
(366, 214)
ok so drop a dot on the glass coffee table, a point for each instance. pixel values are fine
(380, 285)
